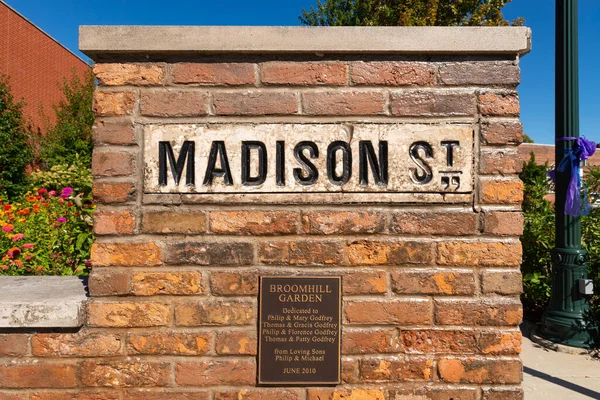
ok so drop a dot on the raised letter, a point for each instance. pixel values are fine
(366, 153)
(218, 148)
(449, 145)
(280, 163)
(248, 180)
(346, 163)
(423, 174)
(312, 174)
(166, 151)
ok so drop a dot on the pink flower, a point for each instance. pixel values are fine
(52, 193)
(28, 246)
(17, 237)
(66, 192)
(8, 228)
(88, 263)
(61, 219)
(13, 252)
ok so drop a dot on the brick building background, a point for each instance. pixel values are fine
(36, 64)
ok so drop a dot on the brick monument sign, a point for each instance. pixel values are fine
(296, 214)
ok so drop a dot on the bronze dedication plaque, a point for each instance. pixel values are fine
(299, 331)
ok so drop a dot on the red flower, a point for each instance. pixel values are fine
(8, 228)
(13, 252)
(7, 207)
(42, 191)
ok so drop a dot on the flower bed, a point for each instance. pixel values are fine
(46, 233)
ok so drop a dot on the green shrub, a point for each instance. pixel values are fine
(70, 139)
(77, 176)
(15, 152)
(46, 233)
(539, 236)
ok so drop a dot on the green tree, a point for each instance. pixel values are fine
(407, 13)
(15, 152)
(70, 139)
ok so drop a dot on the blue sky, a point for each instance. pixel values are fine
(61, 18)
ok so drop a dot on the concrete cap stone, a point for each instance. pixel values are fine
(96, 41)
(42, 302)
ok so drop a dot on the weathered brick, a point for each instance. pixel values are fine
(80, 394)
(343, 103)
(129, 74)
(81, 344)
(303, 73)
(254, 222)
(342, 222)
(126, 254)
(500, 192)
(500, 343)
(392, 73)
(432, 104)
(20, 376)
(371, 341)
(487, 312)
(174, 104)
(260, 394)
(118, 132)
(430, 341)
(169, 343)
(210, 253)
(234, 283)
(504, 73)
(499, 104)
(186, 222)
(13, 345)
(495, 133)
(479, 253)
(346, 394)
(371, 282)
(114, 223)
(503, 223)
(14, 396)
(124, 315)
(301, 252)
(433, 282)
(221, 74)
(401, 311)
(350, 371)
(255, 103)
(365, 252)
(112, 163)
(107, 104)
(113, 192)
(434, 223)
(503, 393)
(502, 161)
(216, 373)
(234, 342)
(163, 394)
(214, 313)
(124, 374)
(433, 393)
(170, 283)
(502, 282)
(479, 371)
(107, 282)
(394, 369)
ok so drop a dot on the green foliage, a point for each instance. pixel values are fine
(77, 176)
(407, 13)
(539, 235)
(15, 153)
(70, 139)
(46, 233)
(527, 139)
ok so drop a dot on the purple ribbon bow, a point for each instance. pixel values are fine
(582, 150)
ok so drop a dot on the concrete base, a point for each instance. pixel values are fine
(547, 344)
(42, 302)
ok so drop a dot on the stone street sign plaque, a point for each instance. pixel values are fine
(299, 330)
(308, 158)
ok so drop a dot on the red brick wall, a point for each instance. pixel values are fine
(430, 293)
(36, 64)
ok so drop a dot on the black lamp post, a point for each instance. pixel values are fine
(568, 319)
